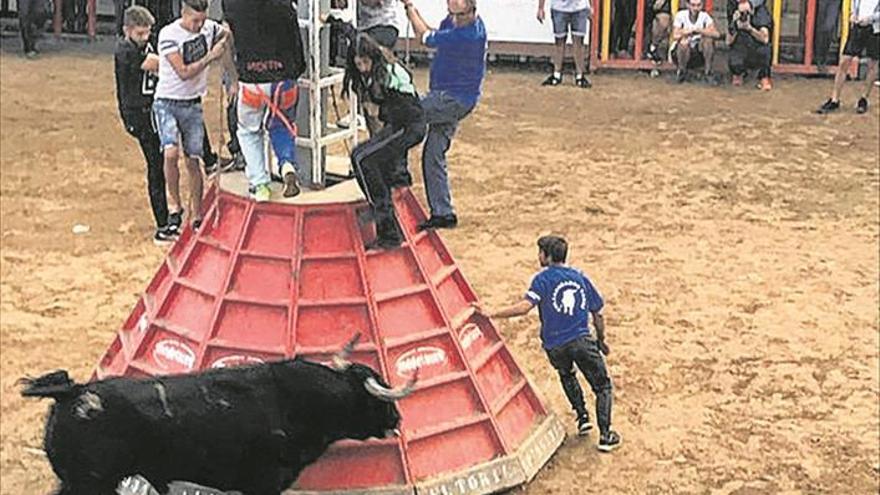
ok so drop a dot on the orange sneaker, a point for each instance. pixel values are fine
(765, 84)
(737, 80)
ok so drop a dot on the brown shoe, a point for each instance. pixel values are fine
(291, 185)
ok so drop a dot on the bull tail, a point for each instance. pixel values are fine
(56, 385)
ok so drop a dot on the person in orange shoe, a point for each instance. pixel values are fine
(748, 36)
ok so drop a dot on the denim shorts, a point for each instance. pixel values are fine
(178, 120)
(574, 21)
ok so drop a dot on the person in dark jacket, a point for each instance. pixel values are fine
(375, 75)
(268, 60)
(134, 94)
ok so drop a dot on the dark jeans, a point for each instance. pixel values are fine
(622, 24)
(384, 35)
(232, 124)
(32, 17)
(584, 353)
(75, 15)
(746, 53)
(443, 113)
(827, 12)
(139, 125)
(375, 164)
(208, 155)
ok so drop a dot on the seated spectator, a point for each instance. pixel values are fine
(657, 21)
(694, 38)
(864, 39)
(568, 16)
(749, 23)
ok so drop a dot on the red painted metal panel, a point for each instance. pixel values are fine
(272, 234)
(187, 309)
(329, 279)
(440, 404)
(392, 271)
(269, 281)
(200, 268)
(342, 468)
(445, 453)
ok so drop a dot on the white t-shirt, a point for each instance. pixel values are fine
(173, 38)
(384, 14)
(568, 5)
(683, 21)
(866, 8)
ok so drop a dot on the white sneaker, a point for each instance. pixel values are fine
(345, 121)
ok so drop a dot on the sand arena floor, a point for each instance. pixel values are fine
(734, 235)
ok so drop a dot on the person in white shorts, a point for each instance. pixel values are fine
(569, 16)
(694, 34)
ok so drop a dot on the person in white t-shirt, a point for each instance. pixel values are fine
(569, 16)
(186, 47)
(694, 34)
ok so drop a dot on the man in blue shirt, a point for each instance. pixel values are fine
(456, 76)
(566, 298)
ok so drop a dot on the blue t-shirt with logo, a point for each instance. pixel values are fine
(460, 62)
(565, 298)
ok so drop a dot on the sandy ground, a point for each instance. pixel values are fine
(734, 235)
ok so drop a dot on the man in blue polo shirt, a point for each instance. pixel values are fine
(456, 76)
(565, 298)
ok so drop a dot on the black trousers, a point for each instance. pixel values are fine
(75, 15)
(827, 13)
(375, 163)
(385, 35)
(622, 24)
(584, 353)
(32, 17)
(746, 54)
(139, 125)
(232, 126)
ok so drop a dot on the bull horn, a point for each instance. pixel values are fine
(391, 395)
(340, 359)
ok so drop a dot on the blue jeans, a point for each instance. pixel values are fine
(584, 353)
(574, 22)
(255, 118)
(178, 120)
(443, 113)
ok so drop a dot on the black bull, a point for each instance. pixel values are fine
(251, 429)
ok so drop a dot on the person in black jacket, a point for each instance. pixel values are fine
(375, 75)
(134, 94)
(268, 60)
(749, 27)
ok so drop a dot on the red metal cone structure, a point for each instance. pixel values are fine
(267, 281)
